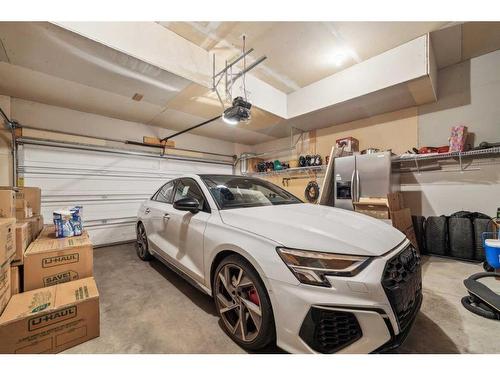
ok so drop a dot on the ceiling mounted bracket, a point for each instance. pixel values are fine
(229, 77)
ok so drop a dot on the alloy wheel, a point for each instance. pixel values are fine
(238, 302)
(142, 241)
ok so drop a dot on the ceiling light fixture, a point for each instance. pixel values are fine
(229, 121)
(238, 112)
(341, 56)
(338, 60)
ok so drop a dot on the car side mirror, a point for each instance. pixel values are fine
(187, 204)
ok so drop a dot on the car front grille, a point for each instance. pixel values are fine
(328, 331)
(402, 283)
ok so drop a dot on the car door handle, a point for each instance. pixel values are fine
(166, 217)
(147, 210)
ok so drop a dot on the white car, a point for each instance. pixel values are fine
(314, 279)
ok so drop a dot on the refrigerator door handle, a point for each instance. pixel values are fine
(357, 186)
(353, 187)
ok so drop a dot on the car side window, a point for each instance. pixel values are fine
(165, 193)
(188, 188)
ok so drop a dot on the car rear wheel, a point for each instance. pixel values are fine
(243, 304)
(141, 244)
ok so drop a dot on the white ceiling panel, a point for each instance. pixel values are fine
(300, 53)
(27, 84)
(49, 49)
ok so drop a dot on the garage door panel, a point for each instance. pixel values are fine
(76, 184)
(180, 167)
(109, 186)
(59, 157)
(93, 210)
(111, 233)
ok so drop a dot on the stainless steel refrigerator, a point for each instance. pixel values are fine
(359, 176)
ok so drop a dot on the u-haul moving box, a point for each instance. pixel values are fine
(7, 202)
(32, 196)
(23, 240)
(50, 320)
(15, 280)
(7, 239)
(35, 226)
(23, 209)
(50, 260)
(5, 290)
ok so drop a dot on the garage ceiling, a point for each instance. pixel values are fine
(42, 62)
(300, 53)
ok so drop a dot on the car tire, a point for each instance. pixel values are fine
(249, 284)
(141, 244)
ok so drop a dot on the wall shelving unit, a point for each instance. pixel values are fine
(457, 155)
(288, 171)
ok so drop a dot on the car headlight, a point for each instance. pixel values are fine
(312, 267)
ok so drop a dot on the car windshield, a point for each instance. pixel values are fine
(239, 192)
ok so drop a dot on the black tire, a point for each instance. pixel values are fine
(141, 244)
(480, 225)
(461, 237)
(267, 333)
(436, 235)
(418, 226)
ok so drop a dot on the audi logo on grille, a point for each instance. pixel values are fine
(408, 259)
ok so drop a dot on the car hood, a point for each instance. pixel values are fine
(315, 227)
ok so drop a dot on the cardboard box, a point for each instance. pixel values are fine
(7, 202)
(5, 291)
(24, 212)
(23, 237)
(7, 239)
(402, 221)
(50, 260)
(395, 201)
(33, 196)
(35, 226)
(50, 320)
(374, 207)
(15, 281)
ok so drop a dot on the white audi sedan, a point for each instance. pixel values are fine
(311, 278)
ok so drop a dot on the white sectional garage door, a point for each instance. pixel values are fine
(109, 186)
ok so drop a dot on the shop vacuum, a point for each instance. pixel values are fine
(481, 299)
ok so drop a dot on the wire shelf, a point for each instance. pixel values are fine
(315, 168)
(416, 159)
(448, 155)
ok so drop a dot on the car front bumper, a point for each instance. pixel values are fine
(357, 309)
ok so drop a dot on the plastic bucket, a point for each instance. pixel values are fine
(492, 252)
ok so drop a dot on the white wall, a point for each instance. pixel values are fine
(54, 118)
(469, 94)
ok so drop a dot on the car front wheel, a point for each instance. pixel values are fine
(141, 244)
(243, 304)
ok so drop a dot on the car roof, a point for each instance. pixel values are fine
(222, 175)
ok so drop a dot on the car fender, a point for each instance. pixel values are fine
(259, 251)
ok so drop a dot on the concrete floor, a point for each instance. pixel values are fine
(147, 308)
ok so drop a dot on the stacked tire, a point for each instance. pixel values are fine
(419, 228)
(481, 225)
(457, 236)
(436, 235)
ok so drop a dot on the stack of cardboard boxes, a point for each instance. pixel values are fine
(389, 208)
(48, 298)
